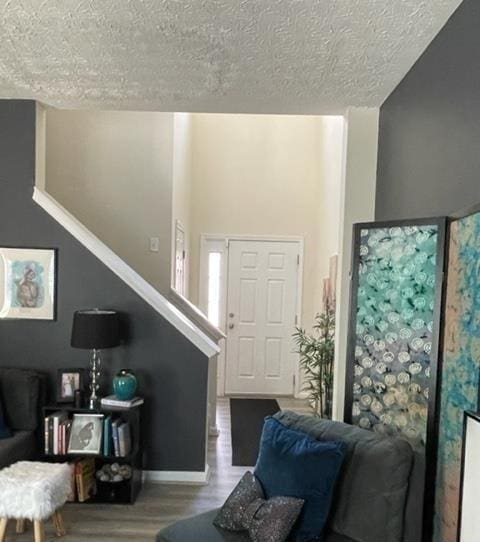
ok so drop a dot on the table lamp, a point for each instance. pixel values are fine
(95, 330)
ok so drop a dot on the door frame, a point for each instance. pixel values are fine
(178, 226)
(223, 241)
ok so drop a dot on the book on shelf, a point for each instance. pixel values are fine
(120, 444)
(107, 436)
(65, 436)
(72, 496)
(60, 437)
(50, 435)
(124, 439)
(115, 443)
(53, 432)
(112, 401)
(46, 433)
(58, 418)
(85, 478)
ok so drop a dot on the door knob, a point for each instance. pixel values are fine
(231, 326)
(231, 315)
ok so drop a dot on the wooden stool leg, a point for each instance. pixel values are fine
(20, 526)
(3, 529)
(58, 523)
(39, 531)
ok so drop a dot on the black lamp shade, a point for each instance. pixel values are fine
(95, 329)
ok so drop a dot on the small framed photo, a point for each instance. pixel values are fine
(69, 380)
(27, 283)
(86, 434)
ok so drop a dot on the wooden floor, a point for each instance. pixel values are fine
(158, 504)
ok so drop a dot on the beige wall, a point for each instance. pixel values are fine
(113, 171)
(269, 175)
(329, 209)
(128, 176)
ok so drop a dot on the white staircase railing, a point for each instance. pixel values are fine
(129, 276)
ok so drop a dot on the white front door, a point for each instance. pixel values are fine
(262, 290)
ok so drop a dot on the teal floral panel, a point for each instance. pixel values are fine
(460, 369)
(394, 330)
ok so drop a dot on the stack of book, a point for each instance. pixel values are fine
(117, 438)
(112, 401)
(57, 433)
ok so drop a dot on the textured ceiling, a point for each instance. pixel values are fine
(281, 56)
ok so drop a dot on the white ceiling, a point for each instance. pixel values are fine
(255, 56)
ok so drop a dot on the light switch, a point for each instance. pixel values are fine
(154, 244)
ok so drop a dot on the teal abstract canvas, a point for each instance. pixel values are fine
(460, 368)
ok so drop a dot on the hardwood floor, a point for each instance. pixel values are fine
(158, 504)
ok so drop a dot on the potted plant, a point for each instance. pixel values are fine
(317, 352)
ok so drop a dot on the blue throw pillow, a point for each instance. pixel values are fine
(4, 430)
(293, 464)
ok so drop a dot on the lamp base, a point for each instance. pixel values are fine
(95, 374)
(94, 403)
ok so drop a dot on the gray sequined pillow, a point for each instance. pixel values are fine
(265, 520)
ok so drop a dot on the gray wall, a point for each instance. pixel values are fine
(172, 372)
(429, 141)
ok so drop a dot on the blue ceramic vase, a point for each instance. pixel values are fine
(125, 385)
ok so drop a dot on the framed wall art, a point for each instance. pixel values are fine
(27, 283)
(393, 343)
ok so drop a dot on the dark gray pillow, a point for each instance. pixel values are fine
(265, 520)
(21, 392)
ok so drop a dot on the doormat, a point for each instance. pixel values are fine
(247, 417)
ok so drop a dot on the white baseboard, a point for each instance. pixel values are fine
(177, 477)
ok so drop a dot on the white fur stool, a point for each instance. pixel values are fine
(34, 491)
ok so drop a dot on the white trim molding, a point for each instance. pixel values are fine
(177, 477)
(139, 285)
(357, 205)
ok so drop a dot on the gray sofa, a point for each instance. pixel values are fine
(23, 394)
(374, 500)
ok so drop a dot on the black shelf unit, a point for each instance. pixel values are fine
(125, 492)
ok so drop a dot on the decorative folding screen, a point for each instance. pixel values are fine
(393, 340)
(460, 368)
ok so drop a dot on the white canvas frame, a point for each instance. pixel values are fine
(95, 445)
(14, 303)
